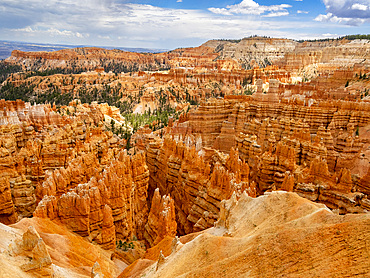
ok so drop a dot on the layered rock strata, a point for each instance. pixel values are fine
(262, 236)
(31, 243)
(32, 146)
(281, 140)
(7, 211)
(36, 247)
(196, 186)
(161, 219)
(111, 203)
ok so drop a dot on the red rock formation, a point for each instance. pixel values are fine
(332, 53)
(288, 136)
(90, 208)
(7, 210)
(288, 182)
(70, 254)
(364, 183)
(274, 165)
(336, 191)
(27, 152)
(253, 228)
(196, 186)
(33, 244)
(108, 233)
(161, 219)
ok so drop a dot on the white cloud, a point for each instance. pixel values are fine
(119, 23)
(350, 12)
(222, 11)
(251, 7)
(302, 12)
(329, 17)
(329, 35)
(360, 7)
(276, 14)
(51, 31)
(124, 24)
(179, 1)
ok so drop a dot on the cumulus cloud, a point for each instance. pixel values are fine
(302, 12)
(360, 7)
(329, 35)
(118, 22)
(276, 14)
(121, 23)
(329, 17)
(251, 7)
(350, 12)
(50, 32)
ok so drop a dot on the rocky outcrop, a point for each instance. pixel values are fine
(7, 210)
(196, 186)
(364, 184)
(98, 59)
(111, 203)
(96, 271)
(337, 191)
(246, 128)
(33, 246)
(31, 147)
(88, 58)
(18, 112)
(281, 140)
(52, 249)
(273, 165)
(255, 51)
(261, 236)
(161, 220)
(332, 53)
(207, 120)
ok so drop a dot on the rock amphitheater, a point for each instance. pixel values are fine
(265, 173)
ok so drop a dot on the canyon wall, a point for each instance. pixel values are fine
(281, 141)
(196, 186)
(35, 139)
(263, 236)
(102, 205)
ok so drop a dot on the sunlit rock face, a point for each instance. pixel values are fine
(260, 236)
(254, 117)
(196, 186)
(112, 202)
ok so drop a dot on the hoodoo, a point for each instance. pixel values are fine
(237, 158)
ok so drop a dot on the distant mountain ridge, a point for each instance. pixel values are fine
(6, 48)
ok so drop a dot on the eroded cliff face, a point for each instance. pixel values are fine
(246, 53)
(8, 212)
(35, 139)
(261, 237)
(90, 58)
(326, 55)
(241, 133)
(87, 58)
(36, 247)
(251, 52)
(100, 205)
(161, 220)
(196, 186)
(281, 140)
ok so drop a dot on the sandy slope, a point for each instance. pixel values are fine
(275, 235)
(72, 256)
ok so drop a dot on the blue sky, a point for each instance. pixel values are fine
(177, 23)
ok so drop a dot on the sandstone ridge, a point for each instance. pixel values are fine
(262, 236)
